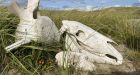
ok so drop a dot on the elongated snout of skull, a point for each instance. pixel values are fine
(102, 48)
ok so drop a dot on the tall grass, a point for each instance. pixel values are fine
(35, 58)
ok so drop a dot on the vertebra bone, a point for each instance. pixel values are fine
(41, 30)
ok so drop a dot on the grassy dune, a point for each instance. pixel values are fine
(35, 58)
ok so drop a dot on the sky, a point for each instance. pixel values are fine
(84, 3)
(81, 3)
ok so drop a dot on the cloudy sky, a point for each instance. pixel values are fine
(82, 3)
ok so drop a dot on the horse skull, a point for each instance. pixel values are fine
(89, 43)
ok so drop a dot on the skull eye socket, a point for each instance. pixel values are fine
(80, 32)
(77, 34)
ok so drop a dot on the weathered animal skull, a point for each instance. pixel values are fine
(41, 29)
(95, 47)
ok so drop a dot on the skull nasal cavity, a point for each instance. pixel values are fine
(112, 57)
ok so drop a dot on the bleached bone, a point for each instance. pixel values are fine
(17, 44)
(68, 58)
(96, 47)
(41, 30)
